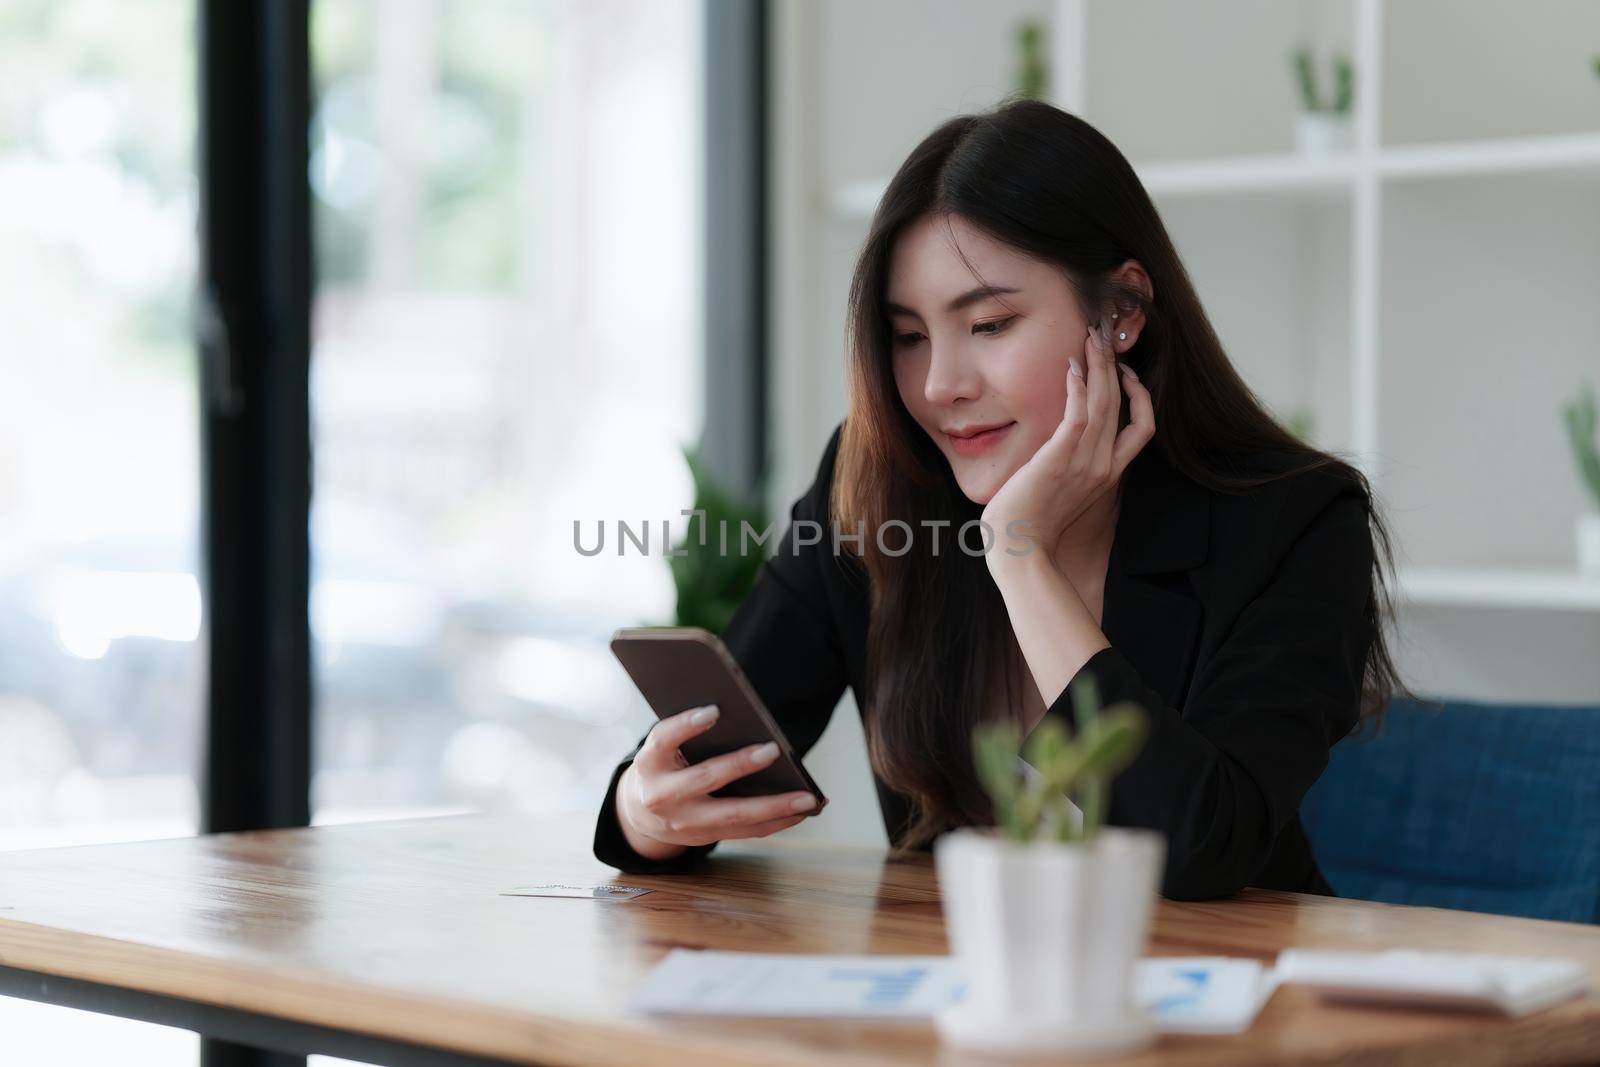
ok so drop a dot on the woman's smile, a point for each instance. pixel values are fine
(979, 443)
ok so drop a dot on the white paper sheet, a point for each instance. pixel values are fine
(1197, 994)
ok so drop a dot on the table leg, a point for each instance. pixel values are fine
(215, 1052)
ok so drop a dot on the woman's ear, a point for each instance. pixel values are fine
(1130, 321)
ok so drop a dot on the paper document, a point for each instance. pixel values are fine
(703, 982)
(1202, 994)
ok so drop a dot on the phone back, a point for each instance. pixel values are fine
(682, 667)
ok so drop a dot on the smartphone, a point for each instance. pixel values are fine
(682, 667)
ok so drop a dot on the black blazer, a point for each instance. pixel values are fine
(1237, 620)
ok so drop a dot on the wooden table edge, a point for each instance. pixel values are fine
(381, 1015)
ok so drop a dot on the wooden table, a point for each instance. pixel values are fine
(389, 942)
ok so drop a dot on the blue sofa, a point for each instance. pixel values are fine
(1482, 807)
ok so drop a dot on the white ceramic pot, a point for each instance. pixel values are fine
(1587, 534)
(1046, 936)
(1323, 132)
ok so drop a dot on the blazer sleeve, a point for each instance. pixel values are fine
(783, 638)
(1223, 776)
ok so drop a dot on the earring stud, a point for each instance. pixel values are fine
(1122, 336)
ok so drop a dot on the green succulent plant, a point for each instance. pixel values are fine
(1078, 766)
(1343, 83)
(1580, 419)
(711, 582)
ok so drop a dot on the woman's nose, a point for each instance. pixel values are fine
(951, 376)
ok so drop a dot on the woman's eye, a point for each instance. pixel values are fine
(907, 339)
(998, 324)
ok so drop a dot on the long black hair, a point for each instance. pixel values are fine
(1047, 183)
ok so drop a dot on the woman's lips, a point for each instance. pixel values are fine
(978, 444)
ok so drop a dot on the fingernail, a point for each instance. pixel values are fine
(766, 753)
(1076, 369)
(804, 803)
(704, 715)
(1130, 371)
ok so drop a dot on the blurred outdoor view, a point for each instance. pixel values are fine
(100, 672)
(506, 339)
(100, 667)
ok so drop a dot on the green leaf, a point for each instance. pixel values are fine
(994, 755)
(1085, 693)
(1344, 84)
(1114, 738)
(1580, 419)
(1106, 742)
(1029, 808)
(1060, 823)
(1306, 78)
(1047, 743)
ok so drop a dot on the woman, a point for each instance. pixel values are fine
(1152, 527)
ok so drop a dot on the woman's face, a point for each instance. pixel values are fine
(964, 360)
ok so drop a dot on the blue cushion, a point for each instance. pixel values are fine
(1483, 807)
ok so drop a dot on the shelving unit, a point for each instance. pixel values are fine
(1546, 590)
(1430, 296)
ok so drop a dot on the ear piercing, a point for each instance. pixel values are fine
(1121, 336)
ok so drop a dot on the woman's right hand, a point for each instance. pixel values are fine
(662, 801)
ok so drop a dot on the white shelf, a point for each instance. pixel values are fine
(1549, 590)
(1289, 175)
(1526, 155)
(1286, 173)
(1294, 174)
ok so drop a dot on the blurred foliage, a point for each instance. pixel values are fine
(712, 582)
(475, 154)
(97, 137)
(1033, 77)
(1306, 78)
(1076, 766)
(1301, 422)
(1580, 420)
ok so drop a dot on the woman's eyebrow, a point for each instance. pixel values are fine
(972, 296)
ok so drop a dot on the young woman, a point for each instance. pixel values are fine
(1026, 350)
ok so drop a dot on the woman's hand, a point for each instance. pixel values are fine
(1083, 458)
(662, 801)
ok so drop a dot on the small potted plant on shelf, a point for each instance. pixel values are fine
(1032, 77)
(1048, 911)
(1324, 126)
(1580, 418)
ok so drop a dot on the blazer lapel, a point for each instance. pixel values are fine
(1150, 612)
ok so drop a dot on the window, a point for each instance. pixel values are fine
(506, 339)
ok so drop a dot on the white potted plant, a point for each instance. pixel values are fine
(1048, 911)
(1580, 418)
(1323, 128)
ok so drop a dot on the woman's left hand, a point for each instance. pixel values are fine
(1080, 461)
